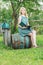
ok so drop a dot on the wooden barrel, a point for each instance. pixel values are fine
(19, 41)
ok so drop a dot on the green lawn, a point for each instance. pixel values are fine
(32, 56)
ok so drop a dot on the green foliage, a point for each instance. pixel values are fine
(40, 30)
(32, 7)
(12, 28)
(6, 15)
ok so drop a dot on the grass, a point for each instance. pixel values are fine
(32, 56)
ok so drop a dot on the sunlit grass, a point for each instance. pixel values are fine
(40, 40)
(32, 56)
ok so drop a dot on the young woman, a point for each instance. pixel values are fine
(23, 17)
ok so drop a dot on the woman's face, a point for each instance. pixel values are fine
(23, 11)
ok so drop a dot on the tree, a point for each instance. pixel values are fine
(32, 7)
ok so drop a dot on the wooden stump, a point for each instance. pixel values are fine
(7, 37)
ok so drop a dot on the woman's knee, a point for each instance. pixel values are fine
(30, 34)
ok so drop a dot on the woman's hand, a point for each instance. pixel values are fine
(22, 27)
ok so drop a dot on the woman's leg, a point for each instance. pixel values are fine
(32, 39)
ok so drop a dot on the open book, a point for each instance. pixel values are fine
(23, 24)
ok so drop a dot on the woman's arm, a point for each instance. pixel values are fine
(19, 20)
(27, 23)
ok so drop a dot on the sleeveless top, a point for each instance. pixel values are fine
(24, 19)
(25, 31)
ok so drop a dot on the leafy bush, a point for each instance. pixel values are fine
(40, 30)
(12, 29)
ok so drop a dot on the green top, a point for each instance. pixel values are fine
(24, 19)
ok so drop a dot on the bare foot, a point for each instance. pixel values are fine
(34, 46)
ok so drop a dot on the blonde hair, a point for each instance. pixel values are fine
(20, 11)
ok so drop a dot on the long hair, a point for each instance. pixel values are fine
(20, 11)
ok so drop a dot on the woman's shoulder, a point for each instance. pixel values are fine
(20, 17)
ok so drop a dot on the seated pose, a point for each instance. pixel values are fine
(23, 26)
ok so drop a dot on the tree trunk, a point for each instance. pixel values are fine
(14, 15)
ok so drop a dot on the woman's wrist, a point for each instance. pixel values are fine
(24, 27)
(21, 27)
